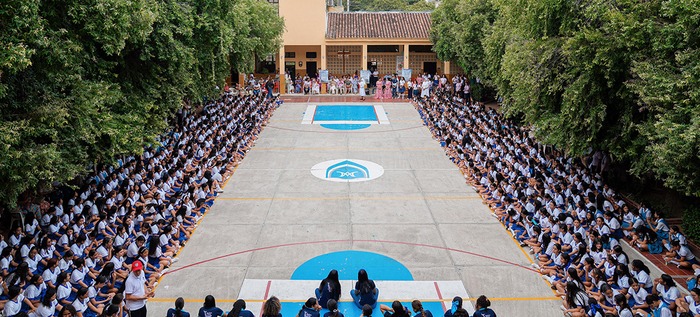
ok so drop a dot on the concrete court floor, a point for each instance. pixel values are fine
(422, 198)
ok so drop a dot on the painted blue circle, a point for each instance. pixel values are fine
(345, 127)
(348, 263)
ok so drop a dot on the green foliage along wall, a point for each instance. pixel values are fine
(620, 76)
(84, 81)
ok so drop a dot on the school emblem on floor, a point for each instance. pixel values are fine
(347, 170)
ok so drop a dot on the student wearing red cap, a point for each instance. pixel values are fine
(136, 291)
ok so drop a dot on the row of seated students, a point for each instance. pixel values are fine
(365, 295)
(74, 254)
(560, 208)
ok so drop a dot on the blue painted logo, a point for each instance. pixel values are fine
(347, 170)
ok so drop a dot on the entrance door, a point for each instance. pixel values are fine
(311, 69)
(372, 66)
(290, 68)
(430, 67)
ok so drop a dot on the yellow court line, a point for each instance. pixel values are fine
(353, 198)
(197, 300)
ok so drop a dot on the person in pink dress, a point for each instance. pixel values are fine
(387, 89)
(379, 94)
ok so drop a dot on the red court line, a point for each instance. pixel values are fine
(375, 114)
(267, 290)
(437, 288)
(314, 116)
(345, 241)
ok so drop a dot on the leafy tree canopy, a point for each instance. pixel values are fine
(84, 81)
(622, 77)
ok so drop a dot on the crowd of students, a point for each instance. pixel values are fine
(560, 208)
(390, 86)
(77, 252)
(365, 295)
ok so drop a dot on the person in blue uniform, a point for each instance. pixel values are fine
(482, 307)
(209, 308)
(456, 305)
(329, 289)
(239, 310)
(365, 292)
(178, 310)
(310, 308)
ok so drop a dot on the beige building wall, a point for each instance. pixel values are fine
(304, 20)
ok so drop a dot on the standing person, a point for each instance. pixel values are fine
(136, 291)
(329, 289)
(270, 86)
(365, 292)
(482, 307)
(363, 86)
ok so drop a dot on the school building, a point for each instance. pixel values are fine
(319, 35)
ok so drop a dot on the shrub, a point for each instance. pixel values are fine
(691, 223)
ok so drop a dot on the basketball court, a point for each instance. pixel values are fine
(347, 186)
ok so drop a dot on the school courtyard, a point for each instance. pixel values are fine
(341, 185)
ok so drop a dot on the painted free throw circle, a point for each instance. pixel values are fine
(347, 170)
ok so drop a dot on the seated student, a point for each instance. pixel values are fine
(482, 307)
(396, 310)
(367, 311)
(365, 292)
(84, 307)
(623, 308)
(329, 289)
(310, 308)
(48, 305)
(691, 303)
(657, 306)
(239, 310)
(271, 308)
(456, 305)
(666, 288)
(418, 309)
(16, 299)
(177, 311)
(680, 255)
(209, 308)
(636, 296)
(332, 306)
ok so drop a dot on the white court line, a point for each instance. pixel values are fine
(381, 115)
(388, 290)
(345, 122)
(309, 114)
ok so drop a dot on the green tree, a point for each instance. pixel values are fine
(621, 77)
(84, 81)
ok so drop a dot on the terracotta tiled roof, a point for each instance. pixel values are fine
(383, 25)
